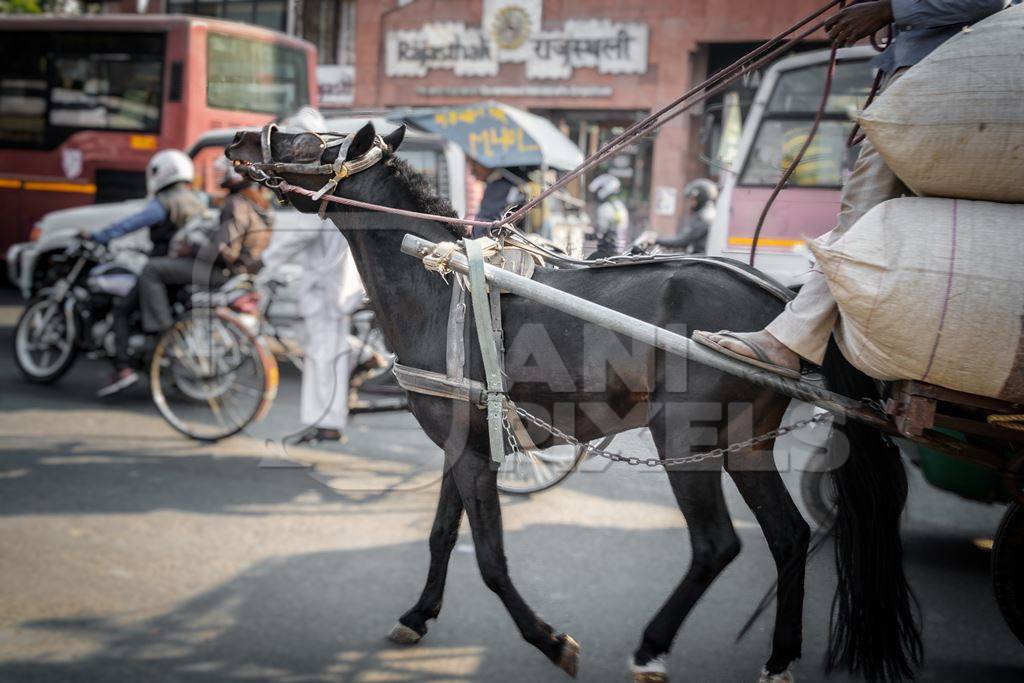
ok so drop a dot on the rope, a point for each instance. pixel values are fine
(811, 134)
(708, 88)
(1015, 422)
(285, 186)
(711, 86)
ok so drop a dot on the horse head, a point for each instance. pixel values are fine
(315, 161)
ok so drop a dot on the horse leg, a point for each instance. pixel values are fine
(788, 536)
(714, 545)
(478, 485)
(785, 530)
(412, 625)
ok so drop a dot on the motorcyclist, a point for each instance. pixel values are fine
(172, 204)
(611, 227)
(693, 234)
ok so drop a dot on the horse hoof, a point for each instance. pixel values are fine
(653, 671)
(569, 660)
(403, 635)
(784, 677)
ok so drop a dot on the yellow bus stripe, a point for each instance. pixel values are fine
(45, 186)
(765, 242)
(10, 183)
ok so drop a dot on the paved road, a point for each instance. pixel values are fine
(129, 554)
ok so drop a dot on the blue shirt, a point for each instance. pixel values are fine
(150, 214)
(920, 26)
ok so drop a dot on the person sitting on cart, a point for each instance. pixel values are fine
(803, 329)
(173, 203)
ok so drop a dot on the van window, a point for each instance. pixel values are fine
(787, 121)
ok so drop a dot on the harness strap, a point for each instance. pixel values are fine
(436, 384)
(455, 355)
(488, 349)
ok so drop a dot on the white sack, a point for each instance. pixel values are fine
(953, 125)
(933, 290)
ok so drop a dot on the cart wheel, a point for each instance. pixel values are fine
(1008, 569)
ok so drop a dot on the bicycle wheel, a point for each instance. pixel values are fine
(210, 377)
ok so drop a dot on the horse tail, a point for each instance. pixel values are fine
(873, 629)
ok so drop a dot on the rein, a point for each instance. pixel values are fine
(268, 171)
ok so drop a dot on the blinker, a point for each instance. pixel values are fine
(308, 147)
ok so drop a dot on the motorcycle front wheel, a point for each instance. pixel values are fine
(44, 341)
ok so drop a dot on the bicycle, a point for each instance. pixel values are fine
(215, 371)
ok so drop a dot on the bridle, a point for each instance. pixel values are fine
(308, 149)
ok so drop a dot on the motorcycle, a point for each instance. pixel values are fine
(75, 314)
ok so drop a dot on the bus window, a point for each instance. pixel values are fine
(22, 90)
(255, 76)
(787, 121)
(94, 81)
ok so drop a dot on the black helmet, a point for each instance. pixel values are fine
(702, 190)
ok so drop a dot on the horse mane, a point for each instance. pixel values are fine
(422, 193)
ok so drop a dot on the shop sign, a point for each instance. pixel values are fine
(512, 32)
(502, 91)
(665, 200)
(337, 83)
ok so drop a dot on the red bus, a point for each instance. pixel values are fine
(85, 101)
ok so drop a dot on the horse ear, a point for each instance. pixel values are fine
(394, 139)
(362, 142)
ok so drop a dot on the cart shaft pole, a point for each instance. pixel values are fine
(655, 336)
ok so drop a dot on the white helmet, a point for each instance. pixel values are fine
(167, 167)
(604, 186)
(305, 120)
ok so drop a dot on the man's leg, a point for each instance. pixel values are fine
(124, 375)
(325, 373)
(122, 312)
(804, 327)
(163, 271)
(153, 300)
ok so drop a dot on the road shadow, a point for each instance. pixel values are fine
(321, 616)
(72, 477)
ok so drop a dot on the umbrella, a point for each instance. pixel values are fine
(499, 136)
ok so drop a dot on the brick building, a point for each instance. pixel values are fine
(592, 66)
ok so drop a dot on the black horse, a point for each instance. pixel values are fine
(591, 383)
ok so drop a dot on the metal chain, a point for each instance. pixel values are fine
(658, 462)
(513, 442)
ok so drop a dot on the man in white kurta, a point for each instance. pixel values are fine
(329, 291)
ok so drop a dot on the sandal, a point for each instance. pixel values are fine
(316, 435)
(704, 339)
